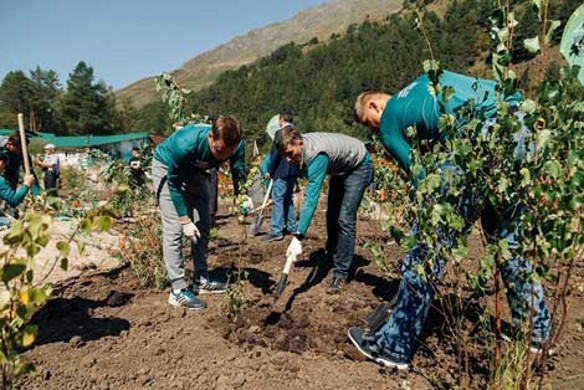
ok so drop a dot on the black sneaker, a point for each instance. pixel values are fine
(205, 285)
(337, 286)
(367, 348)
(272, 237)
(187, 299)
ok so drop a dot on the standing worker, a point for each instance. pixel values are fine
(180, 174)
(390, 116)
(284, 175)
(136, 170)
(9, 195)
(51, 166)
(348, 162)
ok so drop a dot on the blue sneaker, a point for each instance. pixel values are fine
(187, 299)
(365, 345)
(206, 285)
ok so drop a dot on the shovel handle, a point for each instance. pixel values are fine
(267, 196)
(23, 145)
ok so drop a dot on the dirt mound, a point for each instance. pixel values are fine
(104, 331)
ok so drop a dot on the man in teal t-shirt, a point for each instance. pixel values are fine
(390, 116)
(349, 165)
(180, 174)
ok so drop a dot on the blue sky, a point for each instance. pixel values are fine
(126, 40)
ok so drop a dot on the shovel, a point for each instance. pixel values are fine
(256, 223)
(274, 317)
(284, 277)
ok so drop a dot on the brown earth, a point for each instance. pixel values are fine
(104, 331)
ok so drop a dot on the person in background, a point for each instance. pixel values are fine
(180, 170)
(136, 170)
(51, 167)
(13, 148)
(349, 164)
(284, 175)
(12, 197)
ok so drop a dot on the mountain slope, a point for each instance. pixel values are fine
(319, 22)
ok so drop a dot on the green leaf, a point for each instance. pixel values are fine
(537, 4)
(64, 264)
(28, 336)
(80, 246)
(504, 249)
(528, 106)
(4, 298)
(103, 224)
(543, 138)
(436, 215)
(64, 248)
(532, 45)
(460, 252)
(553, 27)
(525, 177)
(552, 168)
(11, 271)
(448, 93)
(503, 185)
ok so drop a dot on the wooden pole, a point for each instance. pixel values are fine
(23, 146)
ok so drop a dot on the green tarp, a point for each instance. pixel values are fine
(84, 141)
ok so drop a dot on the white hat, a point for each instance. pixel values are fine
(49, 146)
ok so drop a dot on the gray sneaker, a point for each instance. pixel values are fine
(187, 299)
(206, 285)
(272, 237)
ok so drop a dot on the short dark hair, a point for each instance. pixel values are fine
(288, 136)
(228, 129)
(14, 139)
(287, 116)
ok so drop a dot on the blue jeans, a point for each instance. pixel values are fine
(397, 337)
(344, 197)
(283, 206)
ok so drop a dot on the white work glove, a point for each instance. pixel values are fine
(190, 230)
(295, 248)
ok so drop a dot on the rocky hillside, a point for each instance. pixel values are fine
(319, 22)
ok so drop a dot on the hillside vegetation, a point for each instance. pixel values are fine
(319, 85)
(315, 23)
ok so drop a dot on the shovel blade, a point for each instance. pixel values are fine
(256, 225)
(281, 285)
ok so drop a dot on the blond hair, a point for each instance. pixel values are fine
(364, 99)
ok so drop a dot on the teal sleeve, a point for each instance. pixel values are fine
(264, 169)
(398, 147)
(316, 173)
(13, 198)
(237, 164)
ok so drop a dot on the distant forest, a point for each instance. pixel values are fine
(320, 81)
(317, 81)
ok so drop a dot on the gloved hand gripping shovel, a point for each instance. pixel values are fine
(256, 223)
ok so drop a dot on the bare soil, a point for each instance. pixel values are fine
(104, 331)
